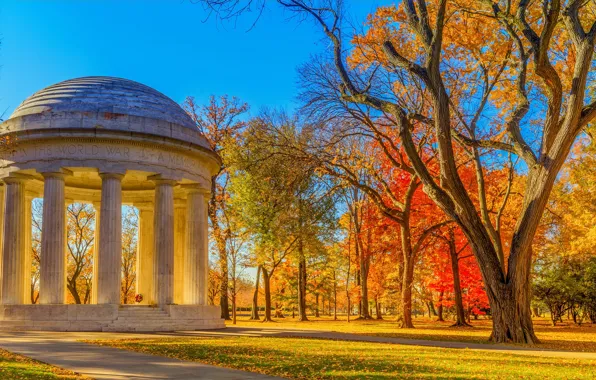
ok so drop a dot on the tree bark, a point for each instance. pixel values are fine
(72, 288)
(254, 312)
(301, 284)
(459, 304)
(234, 307)
(406, 296)
(378, 309)
(267, 288)
(440, 307)
(334, 296)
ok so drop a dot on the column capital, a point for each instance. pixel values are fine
(60, 173)
(159, 179)
(17, 178)
(112, 175)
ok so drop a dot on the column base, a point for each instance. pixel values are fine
(109, 317)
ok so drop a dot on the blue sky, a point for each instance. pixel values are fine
(167, 45)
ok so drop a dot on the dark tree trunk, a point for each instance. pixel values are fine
(334, 297)
(405, 319)
(459, 303)
(267, 287)
(72, 288)
(301, 284)
(317, 305)
(440, 307)
(432, 308)
(254, 312)
(234, 307)
(378, 309)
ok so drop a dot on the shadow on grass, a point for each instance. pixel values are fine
(299, 358)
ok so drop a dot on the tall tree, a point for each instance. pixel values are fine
(221, 123)
(489, 75)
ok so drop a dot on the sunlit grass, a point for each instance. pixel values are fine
(299, 358)
(13, 366)
(564, 337)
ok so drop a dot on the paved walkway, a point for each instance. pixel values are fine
(98, 362)
(283, 332)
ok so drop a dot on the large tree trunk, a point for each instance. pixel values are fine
(404, 318)
(301, 285)
(364, 270)
(267, 287)
(406, 296)
(459, 303)
(254, 312)
(440, 307)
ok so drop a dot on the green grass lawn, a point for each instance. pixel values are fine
(14, 366)
(301, 358)
(565, 336)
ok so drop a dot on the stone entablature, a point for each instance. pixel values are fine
(109, 142)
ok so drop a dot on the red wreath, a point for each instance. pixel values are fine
(139, 298)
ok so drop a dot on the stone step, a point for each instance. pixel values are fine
(141, 312)
(134, 319)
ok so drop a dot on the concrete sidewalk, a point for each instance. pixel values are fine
(98, 362)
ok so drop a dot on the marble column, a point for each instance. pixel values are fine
(13, 248)
(195, 259)
(2, 190)
(163, 229)
(144, 284)
(204, 254)
(53, 242)
(97, 208)
(179, 251)
(109, 259)
(28, 256)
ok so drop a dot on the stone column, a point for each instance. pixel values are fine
(13, 248)
(2, 190)
(195, 259)
(53, 241)
(67, 203)
(163, 229)
(97, 207)
(109, 260)
(179, 251)
(27, 257)
(204, 254)
(145, 253)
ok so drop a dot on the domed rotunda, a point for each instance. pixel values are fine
(106, 141)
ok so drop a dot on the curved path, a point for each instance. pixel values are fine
(99, 362)
(65, 350)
